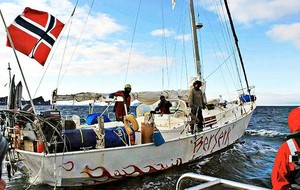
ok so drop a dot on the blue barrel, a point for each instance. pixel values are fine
(78, 139)
(92, 118)
(116, 137)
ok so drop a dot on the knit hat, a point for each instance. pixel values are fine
(127, 86)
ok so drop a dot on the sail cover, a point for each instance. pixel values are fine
(149, 98)
(146, 97)
(79, 97)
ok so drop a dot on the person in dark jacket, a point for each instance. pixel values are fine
(286, 172)
(119, 107)
(163, 106)
(196, 103)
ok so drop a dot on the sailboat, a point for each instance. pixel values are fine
(69, 151)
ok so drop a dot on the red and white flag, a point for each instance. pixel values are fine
(34, 32)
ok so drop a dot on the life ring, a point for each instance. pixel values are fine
(134, 124)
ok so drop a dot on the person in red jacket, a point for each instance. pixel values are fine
(119, 107)
(286, 172)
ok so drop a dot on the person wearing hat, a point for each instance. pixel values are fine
(119, 107)
(196, 103)
(286, 169)
(163, 106)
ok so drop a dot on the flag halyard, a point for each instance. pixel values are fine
(34, 33)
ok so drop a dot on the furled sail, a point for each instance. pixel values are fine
(79, 97)
(148, 97)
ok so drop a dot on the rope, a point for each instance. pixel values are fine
(65, 48)
(38, 174)
(42, 78)
(230, 41)
(63, 55)
(81, 136)
(54, 172)
(165, 44)
(124, 136)
(129, 57)
(77, 43)
(218, 46)
(219, 66)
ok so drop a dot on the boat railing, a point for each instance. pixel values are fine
(178, 106)
(209, 182)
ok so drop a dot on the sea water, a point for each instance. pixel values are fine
(250, 160)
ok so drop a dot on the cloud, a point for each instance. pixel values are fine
(101, 50)
(95, 30)
(170, 33)
(286, 33)
(98, 48)
(162, 32)
(249, 12)
(184, 37)
(267, 99)
(109, 58)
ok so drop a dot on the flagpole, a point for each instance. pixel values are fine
(13, 47)
(9, 74)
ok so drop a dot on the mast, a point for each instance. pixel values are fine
(9, 73)
(237, 44)
(20, 68)
(9, 82)
(195, 39)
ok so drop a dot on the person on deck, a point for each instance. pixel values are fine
(163, 106)
(119, 107)
(196, 103)
(286, 172)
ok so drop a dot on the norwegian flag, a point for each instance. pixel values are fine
(34, 32)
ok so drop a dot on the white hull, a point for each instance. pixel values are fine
(98, 166)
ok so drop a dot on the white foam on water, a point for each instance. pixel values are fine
(204, 161)
(265, 133)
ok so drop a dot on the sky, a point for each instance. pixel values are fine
(108, 43)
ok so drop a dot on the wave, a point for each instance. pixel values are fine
(258, 147)
(265, 133)
(204, 161)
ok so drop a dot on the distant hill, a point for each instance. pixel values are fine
(36, 101)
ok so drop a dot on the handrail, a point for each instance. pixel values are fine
(211, 181)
